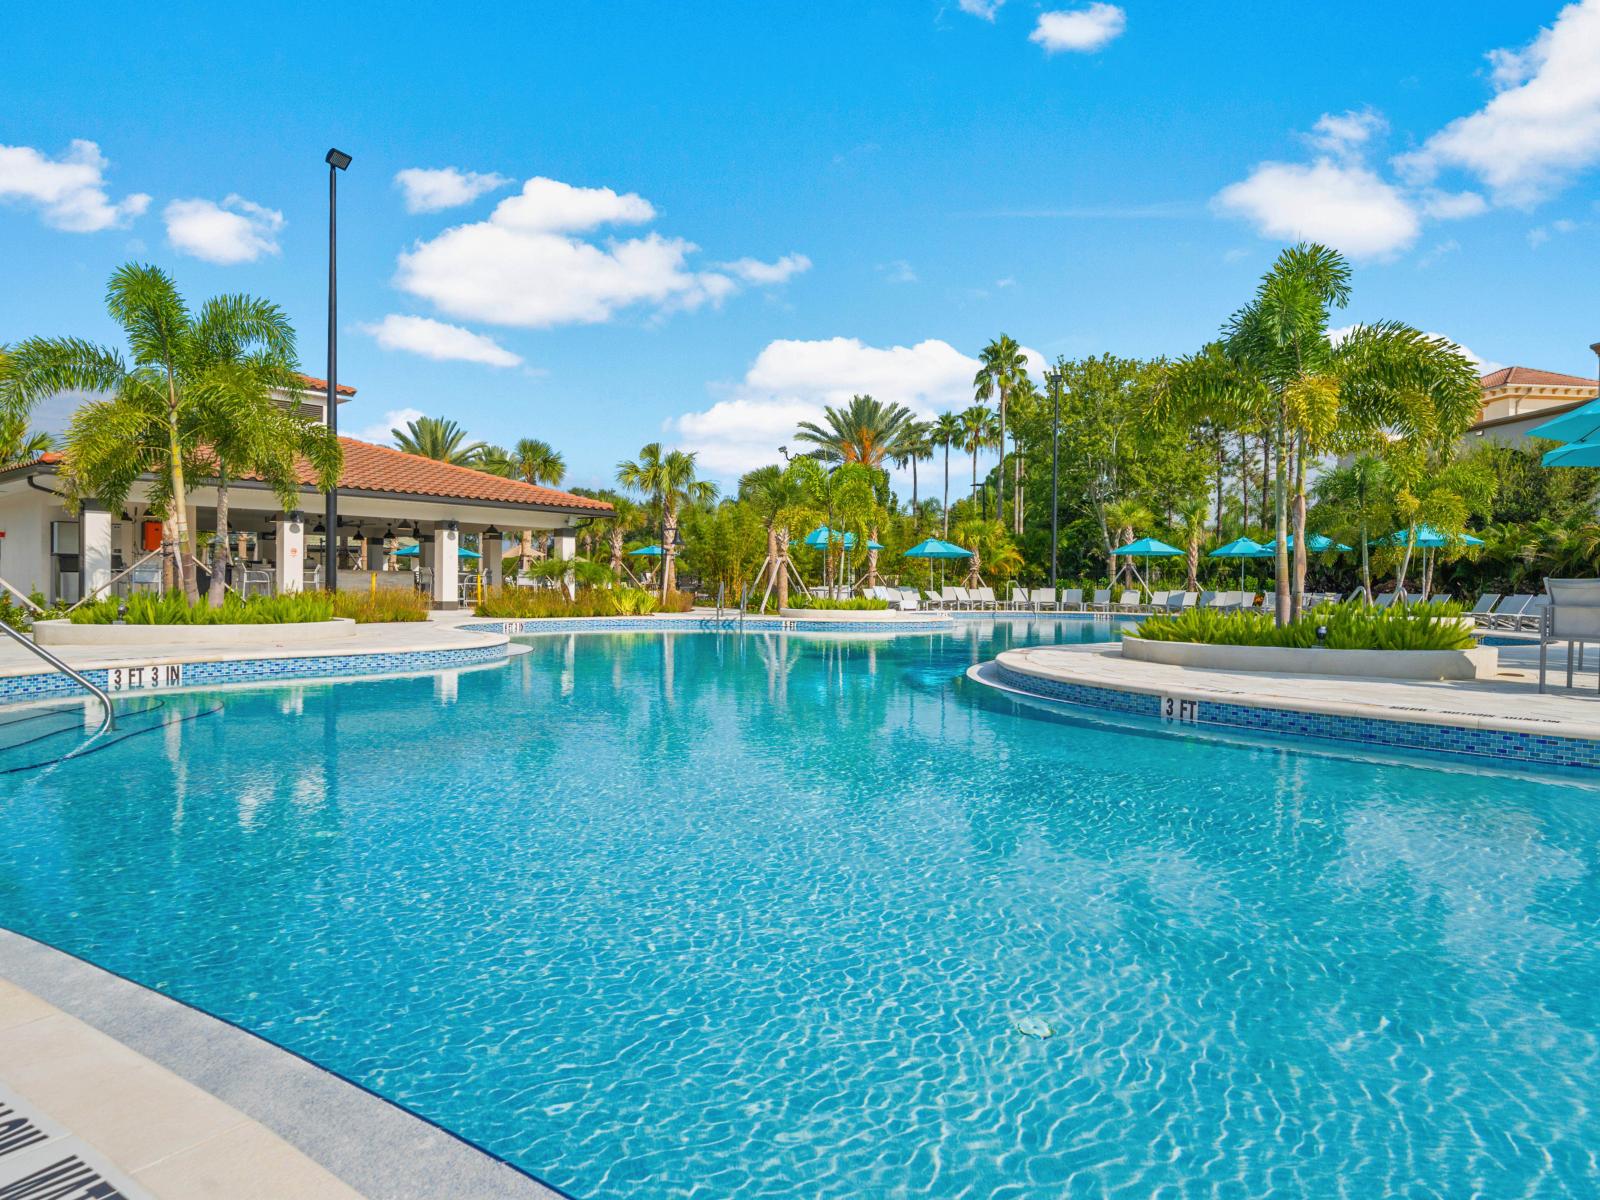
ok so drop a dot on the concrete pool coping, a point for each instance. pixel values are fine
(1502, 718)
(301, 1131)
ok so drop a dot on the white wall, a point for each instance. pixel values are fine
(25, 518)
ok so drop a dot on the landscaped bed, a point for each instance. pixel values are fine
(293, 608)
(521, 604)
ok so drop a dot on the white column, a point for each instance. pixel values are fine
(492, 547)
(567, 550)
(291, 552)
(95, 537)
(447, 565)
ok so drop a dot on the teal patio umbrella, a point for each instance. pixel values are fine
(645, 551)
(1146, 547)
(822, 536)
(1580, 426)
(933, 548)
(1427, 539)
(1240, 548)
(413, 551)
(1315, 544)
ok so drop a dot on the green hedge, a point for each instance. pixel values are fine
(520, 603)
(1432, 626)
(824, 604)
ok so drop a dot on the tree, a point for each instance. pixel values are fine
(17, 444)
(913, 445)
(991, 547)
(1004, 367)
(947, 431)
(668, 479)
(1357, 500)
(1382, 385)
(152, 418)
(778, 495)
(864, 431)
(531, 460)
(439, 438)
(978, 428)
(844, 494)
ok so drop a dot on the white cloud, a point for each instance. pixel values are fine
(981, 8)
(439, 341)
(1345, 133)
(898, 271)
(1543, 124)
(1079, 29)
(379, 431)
(69, 191)
(791, 381)
(430, 189)
(1452, 206)
(1343, 204)
(235, 231)
(753, 270)
(526, 266)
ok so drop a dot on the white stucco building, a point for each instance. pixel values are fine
(1515, 399)
(384, 494)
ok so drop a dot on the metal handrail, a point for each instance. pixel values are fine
(20, 596)
(113, 580)
(109, 722)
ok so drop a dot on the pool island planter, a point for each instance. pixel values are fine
(1477, 663)
(874, 616)
(195, 637)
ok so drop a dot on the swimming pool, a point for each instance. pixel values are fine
(710, 915)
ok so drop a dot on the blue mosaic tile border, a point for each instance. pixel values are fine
(699, 625)
(250, 670)
(1539, 749)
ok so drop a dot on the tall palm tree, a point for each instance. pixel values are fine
(1385, 386)
(913, 444)
(438, 438)
(623, 520)
(668, 478)
(979, 427)
(947, 432)
(863, 431)
(150, 417)
(777, 494)
(531, 460)
(1003, 367)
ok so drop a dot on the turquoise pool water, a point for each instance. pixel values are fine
(696, 915)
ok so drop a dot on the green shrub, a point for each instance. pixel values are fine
(383, 606)
(825, 604)
(172, 608)
(1431, 626)
(519, 603)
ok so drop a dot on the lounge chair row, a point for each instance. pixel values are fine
(1520, 611)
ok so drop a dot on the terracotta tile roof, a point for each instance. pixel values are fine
(1531, 376)
(373, 468)
(313, 384)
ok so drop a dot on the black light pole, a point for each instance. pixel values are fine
(1053, 378)
(337, 161)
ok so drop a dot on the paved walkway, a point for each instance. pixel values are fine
(1510, 700)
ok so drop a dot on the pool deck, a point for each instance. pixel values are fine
(164, 1102)
(1501, 717)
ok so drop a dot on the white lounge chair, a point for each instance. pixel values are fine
(1208, 599)
(1509, 614)
(986, 598)
(1158, 601)
(948, 597)
(1043, 599)
(1071, 598)
(1102, 599)
(964, 599)
(1019, 598)
(1130, 601)
(1484, 608)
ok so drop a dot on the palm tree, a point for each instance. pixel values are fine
(1357, 497)
(977, 431)
(946, 431)
(1384, 386)
(625, 516)
(668, 479)
(531, 460)
(912, 445)
(439, 438)
(241, 429)
(1004, 366)
(151, 417)
(777, 495)
(16, 443)
(864, 431)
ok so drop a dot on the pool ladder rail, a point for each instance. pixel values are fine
(108, 719)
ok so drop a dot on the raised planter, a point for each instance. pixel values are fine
(199, 637)
(1479, 662)
(856, 616)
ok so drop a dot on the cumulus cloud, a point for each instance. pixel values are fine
(1345, 133)
(1543, 124)
(235, 231)
(790, 381)
(439, 341)
(430, 189)
(1083, 30)
(1343, 204)
(528, 265)
(981, 8)
(753, 270)
(70, 191)
(380, 431)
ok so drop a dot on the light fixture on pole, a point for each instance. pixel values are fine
(337, 161)
(1053, 378)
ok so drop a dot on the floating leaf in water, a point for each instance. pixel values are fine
(1033, 1027)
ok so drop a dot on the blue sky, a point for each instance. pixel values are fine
(739, 211)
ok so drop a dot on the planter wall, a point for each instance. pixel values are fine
(199, 637)
(883, 616)
(1373, 664)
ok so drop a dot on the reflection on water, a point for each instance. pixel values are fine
(694, 914)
